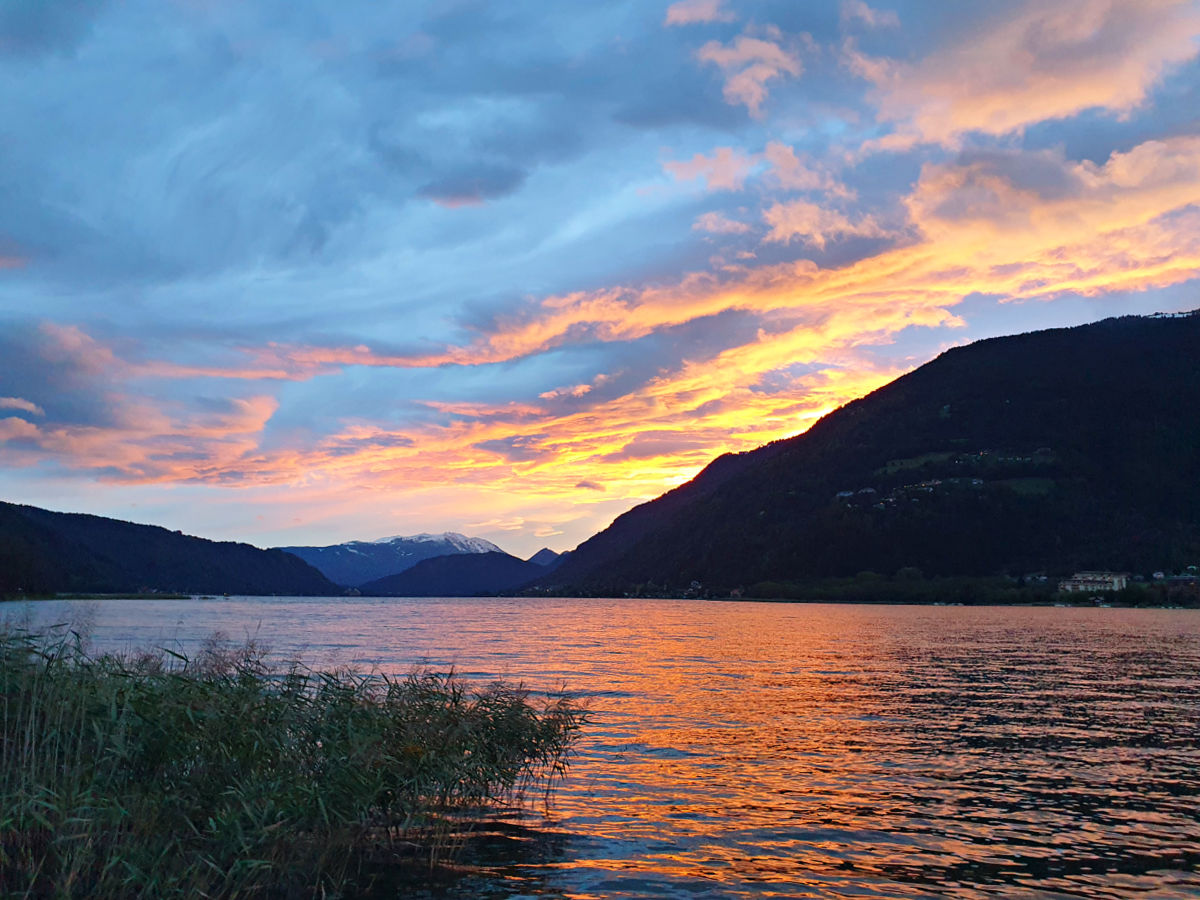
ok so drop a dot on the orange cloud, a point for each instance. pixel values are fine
(815, 224)
(1045, 61)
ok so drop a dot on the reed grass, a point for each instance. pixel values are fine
(159, 775)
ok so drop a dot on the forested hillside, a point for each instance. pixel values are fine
(45, 552)
(1050, 451)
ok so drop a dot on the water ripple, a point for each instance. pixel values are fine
(754, 750)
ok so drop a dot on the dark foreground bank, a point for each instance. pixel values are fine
(159, 775)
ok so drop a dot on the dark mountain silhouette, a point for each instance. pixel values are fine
(548, 558)
(1049, 451)
(47, 552)
(457, 575)
(357, 562)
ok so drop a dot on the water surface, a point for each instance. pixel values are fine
(779, 750)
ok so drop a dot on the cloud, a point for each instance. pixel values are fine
(715, 223)
(498, 524)
(1034, 63)
(649, 446)
(1009, 222)
(725, 170)
(1034, 199)
(589, 486)
(517, 449)
(692, 12)
(815, 224)
(856, 11)
(473, 187)
(749, 63)
(578, 390)
(147, 444)
(23, 405)
(795, 174)
(14, 428)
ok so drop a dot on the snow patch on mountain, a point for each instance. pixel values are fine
(357, 562)
(452, 538)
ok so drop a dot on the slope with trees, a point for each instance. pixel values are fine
(47, 552)
(1050, 451)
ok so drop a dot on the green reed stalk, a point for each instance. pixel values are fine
(158, 775)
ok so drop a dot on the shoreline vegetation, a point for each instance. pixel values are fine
(160, 775)
(903, 588)
(910, 587)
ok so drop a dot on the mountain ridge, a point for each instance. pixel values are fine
(355, 563)
(42, 551)
(1050, 450)
(458, 575)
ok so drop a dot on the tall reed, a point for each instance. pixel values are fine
(158, 775)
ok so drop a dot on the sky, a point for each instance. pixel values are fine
(289, 272)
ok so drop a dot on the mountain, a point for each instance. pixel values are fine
(1051, 451)
(47, 552)
(457, 575)
(357, 562)
(548, 558)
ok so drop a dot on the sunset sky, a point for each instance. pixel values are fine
(294, 272)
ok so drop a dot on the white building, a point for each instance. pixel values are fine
(1090, 582)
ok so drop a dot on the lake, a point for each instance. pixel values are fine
(787, 750)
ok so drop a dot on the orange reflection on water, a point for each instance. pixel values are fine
(756, 750)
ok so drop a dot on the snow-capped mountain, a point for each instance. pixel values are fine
(357, 562)
(461, 542)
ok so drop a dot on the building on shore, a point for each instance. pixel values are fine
(1091, 582)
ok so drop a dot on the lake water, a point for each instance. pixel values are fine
(778, 750)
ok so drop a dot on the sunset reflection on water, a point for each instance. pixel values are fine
(797, 750)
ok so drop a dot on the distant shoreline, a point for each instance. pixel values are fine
(1013, 604)
(1053, 601)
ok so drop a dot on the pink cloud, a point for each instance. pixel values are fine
(578, 390)
(693, 12)
(856, 11)
(70, 344)
(793, 173)
(716, 223)
(23, 405)
(14, 428)
(749, 63)
(725, 170)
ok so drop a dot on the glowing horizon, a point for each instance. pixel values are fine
(333, 275)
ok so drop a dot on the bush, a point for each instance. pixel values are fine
(157, 775)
